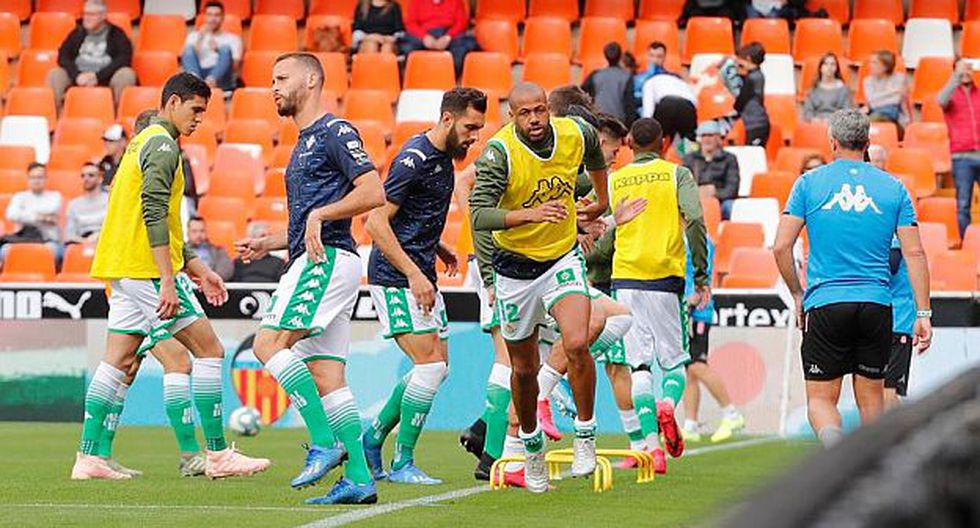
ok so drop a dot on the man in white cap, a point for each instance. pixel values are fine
(715, 170)
(114, 139)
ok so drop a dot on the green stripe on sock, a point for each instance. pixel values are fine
(207, 399)
(389, 415)
(301, 389)
(498, 401)
(646, 411)
(104, 449)
(533, 444)
(177, 403)
(416, 404)
(347, 423)
(673, 385)
(98, 402)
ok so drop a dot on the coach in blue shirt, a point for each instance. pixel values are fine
(851, 211)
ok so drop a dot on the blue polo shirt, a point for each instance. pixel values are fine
(706, 314)
(903, 301)
(851, 211)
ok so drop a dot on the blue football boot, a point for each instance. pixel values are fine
(373, 455)
(410, 474)
(346, 492)
(319, 462)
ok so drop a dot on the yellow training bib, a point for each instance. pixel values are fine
(532, 181)
(651, 246)
(123, 250)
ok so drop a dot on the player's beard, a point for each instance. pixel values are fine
(288, 105)
(454, 148)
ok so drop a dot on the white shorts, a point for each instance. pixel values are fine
(659, 328)
(488, 316)
(133, 308)
(318, 299)
(523, 305)
(400, 314)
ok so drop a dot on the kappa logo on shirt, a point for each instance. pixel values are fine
(344, 129)
(847, 200)
(408, 162)
(549, 189)
(165, 147)
(310, 141)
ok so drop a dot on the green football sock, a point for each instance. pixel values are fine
(416, 403)
(296, 380)
(673, 385)
(495, 415)
(206, 375)
(533, 442)
(645, 405)
(112, 422)
(177, 403)
(388, 417)
(344, 419)
(98, 403)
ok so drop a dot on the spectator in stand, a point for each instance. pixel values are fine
(733, 9)
(612, 87)
(886, 90)
(750, 101)
(656, 58)
(768, 9)
(214, 256)
(266, 269)
(84, 216)
(377, 26)
(877, 156)
(715, 170)
(671, 101)
(829, 93)
(438, 25)
(95, 53)
(812, 162)
(114, 139)
(960, 99)
(211, 53)
(35, 211)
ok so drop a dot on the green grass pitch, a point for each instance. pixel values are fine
(35, 489)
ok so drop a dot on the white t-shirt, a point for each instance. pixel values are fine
(664, 85)
(207, 55)
(25, 208)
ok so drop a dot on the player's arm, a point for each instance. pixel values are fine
(595, 164)
(465, 180)
(158, 160)
(492, 175)
(689, 203)
(918, 268)
(211, 283)
(256, 248)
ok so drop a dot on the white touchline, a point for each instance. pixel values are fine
(382, 509)
(212, 507)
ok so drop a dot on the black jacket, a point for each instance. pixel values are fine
(721, 171)
(117, 46)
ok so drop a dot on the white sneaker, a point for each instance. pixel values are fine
(583, 460)
(536, 472)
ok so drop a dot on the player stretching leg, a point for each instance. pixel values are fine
(648, 275)
(698, 370)
(402, 272)
(524, 195)
(141, 254)
(305, 336)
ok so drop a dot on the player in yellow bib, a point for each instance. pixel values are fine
(524, 196)
(141, 255)
(649, 266)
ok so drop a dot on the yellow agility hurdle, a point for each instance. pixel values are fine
(602, 477)
(644, 461)
(497, 471)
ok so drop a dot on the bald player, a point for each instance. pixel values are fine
(524, 214)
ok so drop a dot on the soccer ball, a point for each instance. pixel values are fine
(245, 421)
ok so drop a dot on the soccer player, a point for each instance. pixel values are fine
(648, 276)
(402, 273)
(305, 336)
(141, 254)
(698, 370)
(524, 195)
(851, 211)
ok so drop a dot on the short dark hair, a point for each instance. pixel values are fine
(309, 60)
(647, 133)
(185, 86)
(214, 3)
(458, 100)
(887, 59)
(582, 112)
(90, 164)
(753, 52)
(613, 53)
(658, 45)
(143, 120)
(196, 218)
(561, 98)
(611, 126)
(36, 165)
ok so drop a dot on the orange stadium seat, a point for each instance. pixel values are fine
(288, 133)
(9, 34)
(275, 183)
(649, 31)
(162, 33)
(122, 21)
(223, 234)
(243, 164)
(816, 36)
(714, 101)
(15, 157)
(930, 77)
(153, 68)
(712, 214)
(497, 35)
(130, 7)
(230, 24)
(12, 180)
(866, 36)
(68, 157)
(405, 130)
(90, 102)
(376, 71)
(226, 209)
(48, 30)
(28, 259)
(257, 68)
(254, 103)
(595, 33)
(272, 33)
(970, 39)
(366, 105)
(251, 131)
(335, 68)
(812, 135)
(934, 237)
(933, 137)
(971, 12)
(669, 10)
(216, 113)
(429, 70)
(567, 9)
(204, 136)
(782, 112)
(621, 9)
(754, 262)
(839, 10)
(4, 73)
(708, 35)
(510, 10)
(37, 101)
(891, 10)
(932, 112)
(941, 209)
(948, 9)
(22, 9)
(547, 35)
(790, 159)
(748, 281)
(84, 132)
(314, 22)
(884, 133)
(493, 110)
(916, 163)
(280, 156)
(810, 71)
(342, 8)
(954, 271)
(72, 7)
(197, 156)
(34, 65)
(550, 70)
(772, 33)
(78, 259)
(271, 208)
(971, 241)
(487, 70)
(229, 183)
(732, 235)
(373, 139)
(773, 184)
(291, 8)
(136, 99)
(240, 8)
